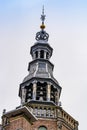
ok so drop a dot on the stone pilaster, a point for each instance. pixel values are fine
(39, 54)
(45, 54)
(23, 99)
(34, 90)
(34, 56)
(48, 91)
(57, 97)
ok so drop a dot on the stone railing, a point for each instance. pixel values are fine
(44, 111)
(54, 112)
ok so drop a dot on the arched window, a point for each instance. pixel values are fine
(41, 54)
(36, 54)
(19, 129)
(42, 128)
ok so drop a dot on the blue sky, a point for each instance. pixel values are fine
(66, 23)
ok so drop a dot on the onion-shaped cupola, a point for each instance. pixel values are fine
(40, 85)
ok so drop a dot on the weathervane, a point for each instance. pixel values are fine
(42, 19)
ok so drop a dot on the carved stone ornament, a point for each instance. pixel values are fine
(76, 127)
(60, 125)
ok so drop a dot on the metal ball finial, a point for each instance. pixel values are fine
(42, 19)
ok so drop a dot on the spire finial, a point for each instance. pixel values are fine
(42, 18)
(42, 35)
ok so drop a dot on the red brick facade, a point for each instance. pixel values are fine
(17, 123)
(21, 123)
(49, 124)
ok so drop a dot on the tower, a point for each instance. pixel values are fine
(39, 93)
(40, 86)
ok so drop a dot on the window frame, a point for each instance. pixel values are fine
(42, 127)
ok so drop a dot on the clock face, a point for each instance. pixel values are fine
(42, 128)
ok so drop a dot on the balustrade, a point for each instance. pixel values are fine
(44, 112)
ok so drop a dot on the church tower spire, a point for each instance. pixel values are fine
(40, 85)
(39, 93)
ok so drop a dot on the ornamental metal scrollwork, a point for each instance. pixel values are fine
(42, 35)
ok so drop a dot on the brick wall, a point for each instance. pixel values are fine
(18, 123)
(49, 124)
